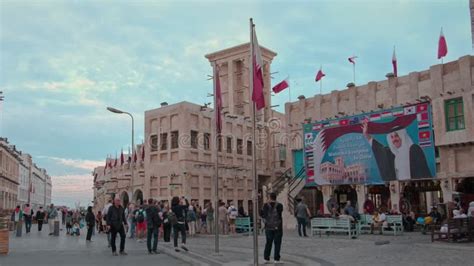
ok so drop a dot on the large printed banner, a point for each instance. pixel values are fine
(371, 148)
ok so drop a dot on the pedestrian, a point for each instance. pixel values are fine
(271, 213)
(203, 219)
(232, 213)
(191, 219)
(52, 215)
(222, 218)
(69, 223)
(17, 218)
(210, 218)
(166, 222)
(332, 205)
(98, 221)
(104, 213)
(153, 226)
(90, 222)
(76, 229)
(302, 215)
(178, 210)
(60, 218)
(116, 224)
(368, 206)
(131, 219)
(40, 218)
(141, 223)
(28, 216)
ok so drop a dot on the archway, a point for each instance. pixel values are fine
(346, 193)
(138, 197)
(124, 198)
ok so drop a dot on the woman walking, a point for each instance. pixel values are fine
(179, 210)
(90, 221)
(166, 222)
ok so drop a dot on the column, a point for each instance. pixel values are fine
(327, 192)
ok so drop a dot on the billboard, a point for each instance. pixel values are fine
(371, 148)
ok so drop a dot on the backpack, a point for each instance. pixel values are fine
(172, 218)
(273, 219)
(140, 217)
(233, 213)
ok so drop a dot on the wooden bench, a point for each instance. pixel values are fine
(457, 230)
(331, 225)
(243, 225)
(394, 224)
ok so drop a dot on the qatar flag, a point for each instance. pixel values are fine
(257, 95)
(281, 86)
(394, 63)
(319, 75)
(442, 45)
(352, 59)
(218, 104)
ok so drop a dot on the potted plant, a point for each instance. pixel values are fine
(4, 233)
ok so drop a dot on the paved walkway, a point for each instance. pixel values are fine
(408, 249)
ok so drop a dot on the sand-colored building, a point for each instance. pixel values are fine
(9, 174)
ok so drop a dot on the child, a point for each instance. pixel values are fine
(76, 229)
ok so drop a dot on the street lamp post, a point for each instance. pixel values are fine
(117, 111)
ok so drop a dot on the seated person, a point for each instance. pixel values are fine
(76, 229)
(346, 215)
(378, 220)
(435, 215)
(458, 214)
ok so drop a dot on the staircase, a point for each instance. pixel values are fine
(287, 188)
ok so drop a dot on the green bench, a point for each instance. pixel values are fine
(243, 225)
(394, 224)
(364, 223)
(332, 225)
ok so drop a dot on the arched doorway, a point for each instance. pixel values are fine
(124, 198)
(313, 197)
(346, 193)
(138, 197)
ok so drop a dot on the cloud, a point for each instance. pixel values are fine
(76, 163)
(70, 189)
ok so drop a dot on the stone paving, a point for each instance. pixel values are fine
(408, 249)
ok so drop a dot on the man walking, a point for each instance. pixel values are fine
(52, 215)
(28, 214)
(302, 215)
(153, 226)
(271, 213)
(40, 218)
(116, 223)
(233, 213)
(104, 213)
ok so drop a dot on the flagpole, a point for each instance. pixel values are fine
(216, 180)
(354, 72)
(254, 152)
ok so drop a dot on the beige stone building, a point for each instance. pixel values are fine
(9, 175)
(179, 141)
(450, 89)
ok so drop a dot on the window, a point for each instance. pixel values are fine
(219, 143)
(229, 145)
(154, 142)
(249, 148)
(174, 139)
(207, 139)
(454, 114)
(163, 141)
(239, 146)
(194, 139)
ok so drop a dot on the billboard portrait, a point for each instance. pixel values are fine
(371, 148)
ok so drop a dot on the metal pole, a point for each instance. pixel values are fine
(133, 152)
(354, 72)
(216, 181)
(254, 152)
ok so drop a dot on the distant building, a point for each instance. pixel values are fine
(9, 174)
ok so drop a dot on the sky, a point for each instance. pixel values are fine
(63, 62)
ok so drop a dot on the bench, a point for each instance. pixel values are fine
(394, 224)
(457, 229)
(331, 225)
(364, 223)
(243, 225)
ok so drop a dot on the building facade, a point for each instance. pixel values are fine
(9, 175)
(449, 89)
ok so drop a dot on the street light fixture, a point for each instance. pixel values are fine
(117, 111)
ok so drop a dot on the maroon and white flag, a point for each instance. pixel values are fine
(394, 63)
(281, 86)
(218, 104)
(442, 45)
(319, 75)
(257, 94)
(122, 159)
(352, 59)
